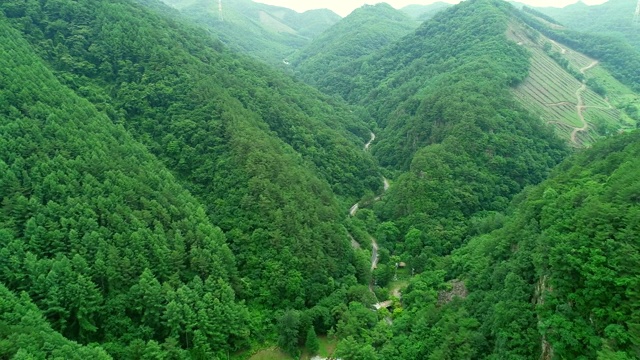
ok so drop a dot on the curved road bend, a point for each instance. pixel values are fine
(367, 145)
(580, 106)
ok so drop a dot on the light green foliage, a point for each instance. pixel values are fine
(425, 12)
(269, 33)
(364, 31)
(611, 17)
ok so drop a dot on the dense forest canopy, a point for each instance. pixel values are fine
(96, 230)
(164, 197)
(269, 160)
(364, 31)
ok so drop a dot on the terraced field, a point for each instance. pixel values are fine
(557, 96)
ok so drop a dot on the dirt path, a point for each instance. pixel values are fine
(374, 253)
(367, 145)
(563, 103)
(580, 106)
(562, 50)
(354, 209)
(374, 244)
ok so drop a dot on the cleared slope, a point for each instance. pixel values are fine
(269, 33)
(554, 88)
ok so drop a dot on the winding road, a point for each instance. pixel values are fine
(580, 106)
(354, 210)
(367, 145)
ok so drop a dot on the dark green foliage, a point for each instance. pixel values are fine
(289, 332)
(95, 230)
(24, 333)
(254, 146)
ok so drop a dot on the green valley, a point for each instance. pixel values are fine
(432, 182)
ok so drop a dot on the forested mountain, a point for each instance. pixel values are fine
(163, 196)
(556, 278)
(97, 233)
(364, 31)
(269, 33)
(109, 244)
(425, 12)
(450, 125)
(462, 146)
(614, 17)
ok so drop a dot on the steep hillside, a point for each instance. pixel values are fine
(452, 133)
(613, 17)
(265, 154)
(556, 278)
(97, 232)
(566, 89)
(364, 31)
(269, 33)
(25, 334)
(425, 12)
(615, 54)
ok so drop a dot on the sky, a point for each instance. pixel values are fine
(344, 7)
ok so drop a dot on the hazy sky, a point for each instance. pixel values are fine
(344, 7)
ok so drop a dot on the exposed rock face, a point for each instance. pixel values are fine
(458, 289)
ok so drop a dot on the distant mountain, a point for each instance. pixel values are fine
(425, 12)
(613, 17)
(269, 33)
(364, 31)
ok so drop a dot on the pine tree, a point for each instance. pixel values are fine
(312, 344)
